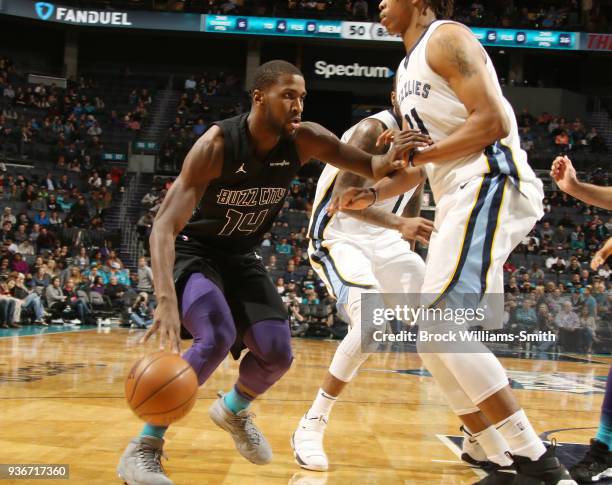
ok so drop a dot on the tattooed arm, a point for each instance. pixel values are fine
(411, 227)
(364, 137)
(455, 54)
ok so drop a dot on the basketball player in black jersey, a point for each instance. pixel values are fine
(207, 273)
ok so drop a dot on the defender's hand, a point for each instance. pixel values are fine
(597, 261)
(404, 142)
(563, 173)
(416, 228)
(353, 198)
(166, 320)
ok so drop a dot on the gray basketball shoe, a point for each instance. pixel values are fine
(249, 441)
(140, 463)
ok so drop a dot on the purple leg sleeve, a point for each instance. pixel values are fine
(269, 356)
(208, 318)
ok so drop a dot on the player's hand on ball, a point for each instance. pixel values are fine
(166, 320)
(416, 228)
(563, 173)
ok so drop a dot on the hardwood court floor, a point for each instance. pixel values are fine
(62, 401)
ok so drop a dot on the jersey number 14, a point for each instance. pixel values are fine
(246, 223)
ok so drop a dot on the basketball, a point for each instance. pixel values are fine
(161, 388)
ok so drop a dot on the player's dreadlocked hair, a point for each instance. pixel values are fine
(268, 73)
(442, 8)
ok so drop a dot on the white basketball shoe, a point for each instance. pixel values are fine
(307, 443)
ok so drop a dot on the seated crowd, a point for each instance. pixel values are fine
(67, 125)
(205, 98)
(558, 133)
(63, 287)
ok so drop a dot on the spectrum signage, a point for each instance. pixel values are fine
(328, 70)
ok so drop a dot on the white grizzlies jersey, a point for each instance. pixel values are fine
(428, 103)
(322, 226)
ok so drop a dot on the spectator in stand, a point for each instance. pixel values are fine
(141, 314)
(525, 316)
(115, 292)
(574, 266)
(98, 285)
(9, 216)
(75, 302)
(555, 263)
(30, 300)
(145, 276)
(18, 264)
(7, 232)
(56, 300)
(46, 240)
(40, 279)
(8, 309)
(79, 213)
(27, 247)
(290, 273)
(284, 248)
(570, 331)
(272, 264)
(310, 296)
(596, 141)
(280, 286)
(144, 225)
(42, 218)
(199, 128)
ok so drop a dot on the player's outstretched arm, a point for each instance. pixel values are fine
(455, 54)
(365, 138)
(316, 142)
(564, 174)
(397, 183)
(202, 164)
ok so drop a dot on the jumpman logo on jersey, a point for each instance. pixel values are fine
(241, 169)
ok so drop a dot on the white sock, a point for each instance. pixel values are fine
(322, 404)
(494, 445)
(521, 437)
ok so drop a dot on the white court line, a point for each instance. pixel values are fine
(48, 333)
(457, 452)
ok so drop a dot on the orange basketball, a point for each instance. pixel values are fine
(161, 388)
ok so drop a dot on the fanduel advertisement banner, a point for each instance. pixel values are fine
(53, 12)
(287, 27)
(228, 24)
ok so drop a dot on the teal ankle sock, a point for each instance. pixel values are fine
(235, 401)
(156, 431)
(604, 433)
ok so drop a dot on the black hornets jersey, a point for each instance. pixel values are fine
(238, 208)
